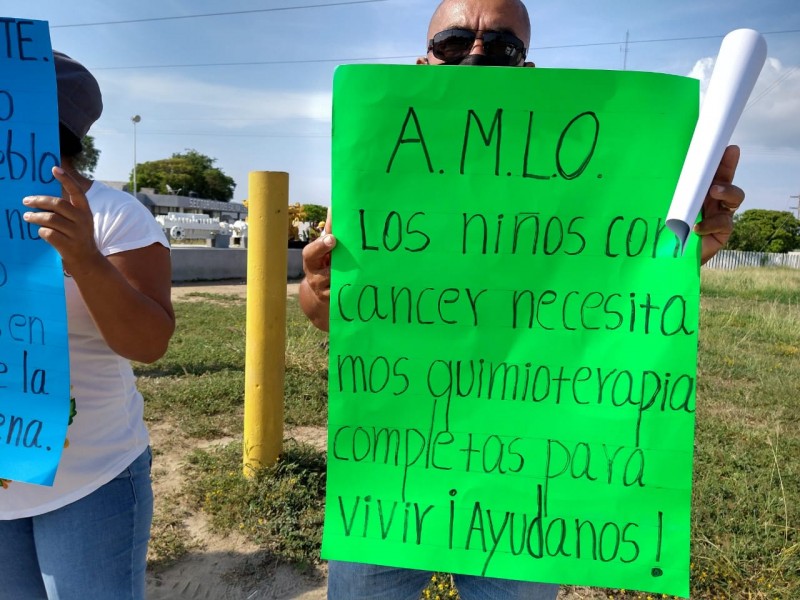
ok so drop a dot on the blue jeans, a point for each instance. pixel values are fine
(355, 581)
(92, 549)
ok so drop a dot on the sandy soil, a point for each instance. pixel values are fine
(217, 568)
(231, 567)
(220, 568)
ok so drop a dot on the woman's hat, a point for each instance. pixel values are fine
(80, 102)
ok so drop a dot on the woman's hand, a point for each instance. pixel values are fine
(126, 293)
(66, 223)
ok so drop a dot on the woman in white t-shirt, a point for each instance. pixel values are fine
(86, 536)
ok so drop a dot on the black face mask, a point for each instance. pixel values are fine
(481, 60)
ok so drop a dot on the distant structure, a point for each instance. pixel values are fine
(163, 204)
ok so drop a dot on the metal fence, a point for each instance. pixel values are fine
(731, 259)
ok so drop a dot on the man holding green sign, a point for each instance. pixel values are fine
(722, 201)
(448, 511)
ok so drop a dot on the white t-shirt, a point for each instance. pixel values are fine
(108, 431)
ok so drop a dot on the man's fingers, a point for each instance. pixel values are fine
(316, 265)
(721, 223)
(728, 164)
(323, 292)
(723, 198)
(727, 192)
(320, 282)
(316, 255)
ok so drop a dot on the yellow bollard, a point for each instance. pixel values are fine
(265, 359)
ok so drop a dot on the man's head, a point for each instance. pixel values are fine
(482, 32)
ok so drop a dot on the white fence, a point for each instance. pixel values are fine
(730, 259)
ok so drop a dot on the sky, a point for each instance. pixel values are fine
(253, 90)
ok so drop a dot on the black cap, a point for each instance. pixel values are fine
(80, 103)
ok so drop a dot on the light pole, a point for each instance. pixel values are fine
(135, 119)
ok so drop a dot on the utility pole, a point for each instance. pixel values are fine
(625, 52)
(134, 119)
(797, 208)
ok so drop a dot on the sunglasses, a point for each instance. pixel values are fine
(454, 45)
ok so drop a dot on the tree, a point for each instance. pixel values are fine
(185, 174)
(759, 230)
(86, 161)
(316, 213)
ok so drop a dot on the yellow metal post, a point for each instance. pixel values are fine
(267, 249)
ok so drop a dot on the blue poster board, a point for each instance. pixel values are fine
(34, 359)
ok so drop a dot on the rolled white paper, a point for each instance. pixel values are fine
(741, 57)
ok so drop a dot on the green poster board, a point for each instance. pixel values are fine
(513, 332)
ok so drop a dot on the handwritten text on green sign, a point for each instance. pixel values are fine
(513, 333)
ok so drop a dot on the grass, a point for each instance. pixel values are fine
(198, 389)
(281, 508)
(746, 513)
(746, 502)
(765, 284)
(169, 538)
(199, 383)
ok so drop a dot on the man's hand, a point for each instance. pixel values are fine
(315, 289)
(722, 200)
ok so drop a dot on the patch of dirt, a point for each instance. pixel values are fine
(232, 287)
(218, 567)
(317, 437)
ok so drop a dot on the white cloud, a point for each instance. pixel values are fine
(771, 118)
(702, 70)
(186, 97)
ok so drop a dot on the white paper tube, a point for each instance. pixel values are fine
(741, 57)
